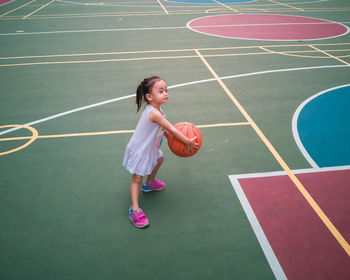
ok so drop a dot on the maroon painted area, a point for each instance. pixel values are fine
(331, 190)
(2, 2)
(303, 245)
(267, 27)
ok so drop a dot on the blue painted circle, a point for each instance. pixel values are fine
(323, 127)
(210, 1)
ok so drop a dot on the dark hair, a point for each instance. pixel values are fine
(143, 88)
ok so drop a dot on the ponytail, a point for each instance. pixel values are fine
(143, 88)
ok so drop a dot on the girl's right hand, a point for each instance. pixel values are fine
(192, 144)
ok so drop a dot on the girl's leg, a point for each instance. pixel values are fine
(135, 191)
(151, 177)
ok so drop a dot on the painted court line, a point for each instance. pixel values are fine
(110, 132)
(165, 10)
(264, 243)
(283, 164)
(331, 56)
(70, 112)
(156, 13)
(228, 7)
(42, 7)
(184, 50)
(170, 87)
(17, 8)
(286, 5)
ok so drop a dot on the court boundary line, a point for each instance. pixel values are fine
(335, 232)
(258, 231)
(254, 223)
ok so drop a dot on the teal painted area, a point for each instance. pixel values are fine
(323, 127)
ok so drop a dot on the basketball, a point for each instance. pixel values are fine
(190, 131)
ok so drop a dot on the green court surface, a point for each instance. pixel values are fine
(68, 72)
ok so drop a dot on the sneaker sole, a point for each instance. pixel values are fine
(151, 190)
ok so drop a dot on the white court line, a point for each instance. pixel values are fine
(168, 28)
(171, 87)
(259, 232)
(95, 30)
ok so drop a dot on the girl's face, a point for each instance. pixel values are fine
(159, 94)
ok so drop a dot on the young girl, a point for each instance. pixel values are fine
(143, 155)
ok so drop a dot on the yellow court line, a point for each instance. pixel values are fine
(175, 50)
(68, 135)
(283, 164)
(228, 7)
(266, 52)
(96, 61)
(165, 10)
(31, 138)
(289, 6)
(331, 56)
(38, 9)
(109, 132)
(17, 8)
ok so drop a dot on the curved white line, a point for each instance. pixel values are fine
(295, 124)
(170, 87)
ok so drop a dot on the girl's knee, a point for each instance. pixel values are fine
(137, 179)
(160, 160)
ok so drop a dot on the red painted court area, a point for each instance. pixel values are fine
(267, 27)
(2, 2)
(303, 245)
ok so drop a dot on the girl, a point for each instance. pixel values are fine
(143, 155)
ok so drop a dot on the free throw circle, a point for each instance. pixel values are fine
(268, 27)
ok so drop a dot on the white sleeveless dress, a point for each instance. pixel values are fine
(143, 149)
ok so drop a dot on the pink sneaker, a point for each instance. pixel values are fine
(138, 218)
(156, 185)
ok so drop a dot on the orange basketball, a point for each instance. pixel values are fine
(190, 131)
